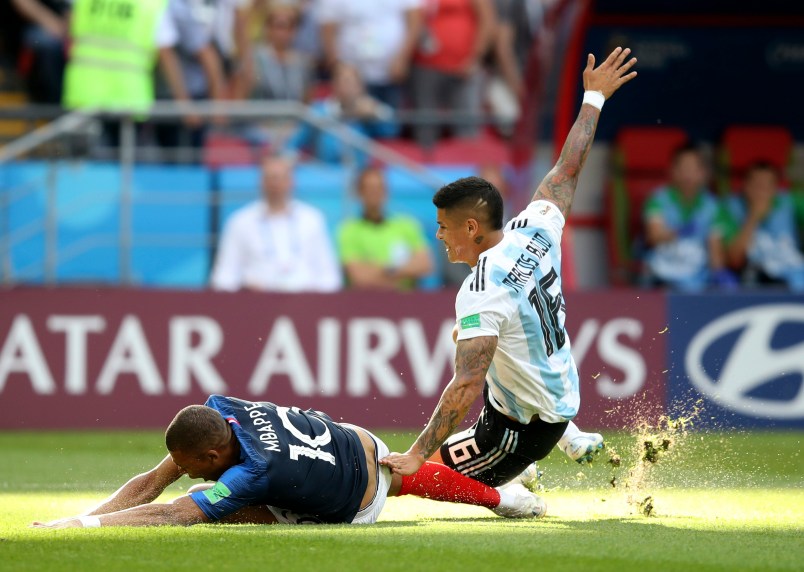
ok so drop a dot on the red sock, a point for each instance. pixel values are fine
(438, 482)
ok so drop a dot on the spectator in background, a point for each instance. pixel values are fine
(518, 24)
(798, 202)
(233, 42)
(759, 231)
(45, 26)
(446, 71)
(376, 37)
(379, 251)
(112, 56)
(190, 65)
(10, 38)
(685, 250)
(350, 104)
(308, 37)
(281, 71)
(276, 243)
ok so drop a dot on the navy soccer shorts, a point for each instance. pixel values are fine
(496, 449)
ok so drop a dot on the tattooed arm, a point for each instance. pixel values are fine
(559, 185)
(472, 360)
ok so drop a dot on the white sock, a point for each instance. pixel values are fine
(507, 499)
(570, 433)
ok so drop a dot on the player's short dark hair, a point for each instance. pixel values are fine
(472, 194)
(195, 429)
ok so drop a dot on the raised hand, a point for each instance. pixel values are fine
(611, 74)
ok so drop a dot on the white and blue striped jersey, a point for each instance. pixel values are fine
(514, 293)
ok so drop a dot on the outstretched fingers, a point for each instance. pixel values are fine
(621, 57)
(612, 57)
(626, 66)
(628, 76)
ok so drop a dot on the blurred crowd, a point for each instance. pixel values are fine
(354, 60)
(361, 62)
(695, 239)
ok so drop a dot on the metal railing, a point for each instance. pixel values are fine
(69, 123)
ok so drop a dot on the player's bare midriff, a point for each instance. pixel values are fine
(371, 466)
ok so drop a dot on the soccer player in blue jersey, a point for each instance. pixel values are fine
(512, 345)
(273, 464)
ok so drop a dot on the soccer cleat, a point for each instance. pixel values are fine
(529, 478)
(518, 502)
(584, 447)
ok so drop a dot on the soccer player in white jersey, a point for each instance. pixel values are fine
(512, 345)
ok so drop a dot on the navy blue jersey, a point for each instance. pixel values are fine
(300, 461)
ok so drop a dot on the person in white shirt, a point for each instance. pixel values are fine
(512, 345)
(377, 37)
(276, 243)
(189, 64)
(232, 40)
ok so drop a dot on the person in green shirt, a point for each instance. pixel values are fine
(379, 251)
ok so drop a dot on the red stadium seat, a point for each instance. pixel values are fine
(222, 150)
(485, 149)
(641, 159)
(743, 145)
(406, 148)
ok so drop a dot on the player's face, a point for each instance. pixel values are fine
(454, 233)
(197, 467)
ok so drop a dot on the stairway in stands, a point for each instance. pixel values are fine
(11, 95)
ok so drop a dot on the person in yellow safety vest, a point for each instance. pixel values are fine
(113, 54)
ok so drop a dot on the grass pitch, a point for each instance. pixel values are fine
(721, 501)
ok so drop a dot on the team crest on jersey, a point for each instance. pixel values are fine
(217, 493)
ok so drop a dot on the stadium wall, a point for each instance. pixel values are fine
(117, 358)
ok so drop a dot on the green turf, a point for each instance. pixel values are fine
(723, 501)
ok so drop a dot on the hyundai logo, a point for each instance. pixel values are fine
(751, 362)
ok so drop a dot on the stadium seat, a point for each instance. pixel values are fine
(407, 148)
(480, 150)
(743, 145)
(641, 158)
(221, 150)
(169, 250)
(12, 128)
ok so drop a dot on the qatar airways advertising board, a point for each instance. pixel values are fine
(98, 358)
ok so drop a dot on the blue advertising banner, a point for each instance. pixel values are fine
(739, 357)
